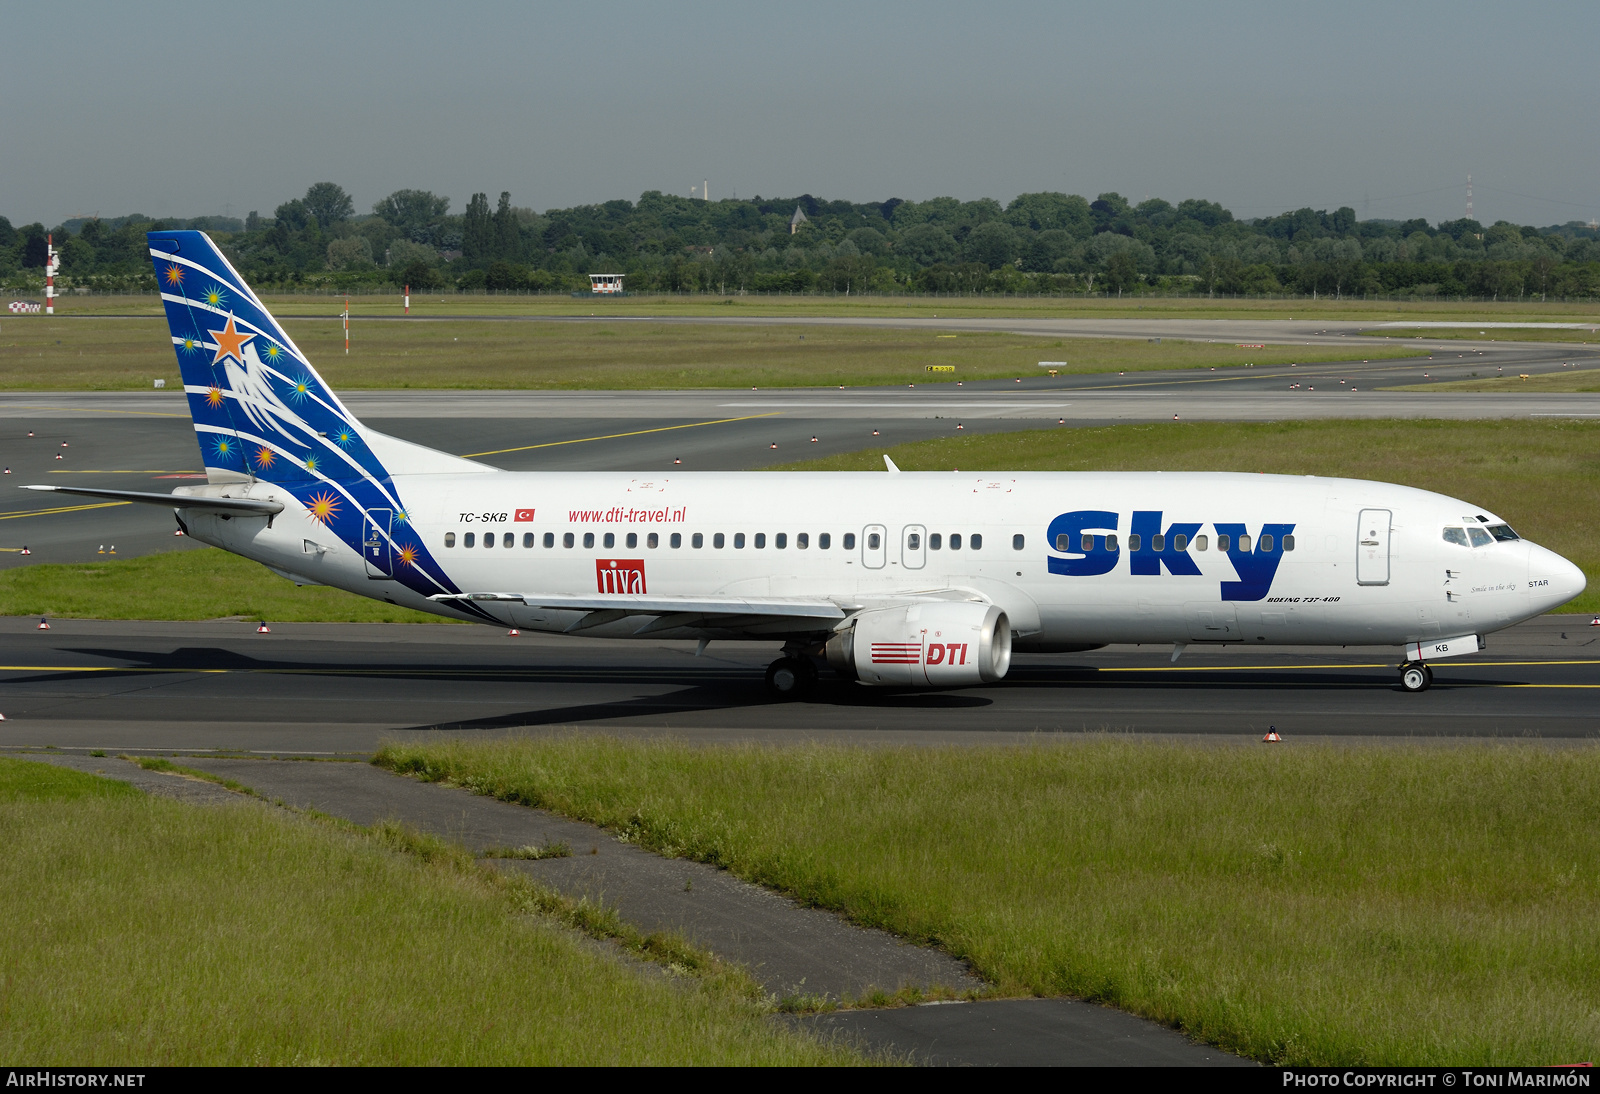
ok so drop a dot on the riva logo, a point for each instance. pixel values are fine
(620, 575)
(1086, 542)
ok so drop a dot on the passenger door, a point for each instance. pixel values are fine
(874, 546)
(913, 546)
(1372, 547)
(375, 543)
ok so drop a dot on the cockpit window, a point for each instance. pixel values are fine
(1455, 535)
(1479, 537)
(1503, 533)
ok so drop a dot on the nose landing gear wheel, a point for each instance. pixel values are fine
(1415, 677)
(790, 677)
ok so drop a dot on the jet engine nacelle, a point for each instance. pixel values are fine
(941, 643)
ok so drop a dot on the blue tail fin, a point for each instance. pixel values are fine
(260, 409)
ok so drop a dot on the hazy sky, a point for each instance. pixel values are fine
(183, 110)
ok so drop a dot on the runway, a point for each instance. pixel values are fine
(326, 689)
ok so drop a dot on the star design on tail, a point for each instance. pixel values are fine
(230, 342)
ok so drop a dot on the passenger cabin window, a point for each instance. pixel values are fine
(527, 539)
(914, 542)
(1135, 541)
(849, 541)
(652, 541)
(935, 541)
(676, 540)
(697, 541)
(1266, 542)
(1503, 533)
(1111, 543)
(761, 540)
(1222, 541)
(802, 540)
(873, 541)
(488, 539)
(633, 540)
(781, 540)
(1288, 543)
(975, 541)
(1479, 537)
(738, 541)
(588, 539)
(549, 539)
(469, 540)
(1018, 541)
(718, 540)
(567, 540)
(955, 541)
(1200, 543)
(449, 539)
(508, 540)
(1244, 544)
(824, 541)
(609, 541)
(1158, 542)
(1180, 542)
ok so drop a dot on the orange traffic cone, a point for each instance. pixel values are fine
(2, 717)
(1272, 734)
(512, 633)
(43, 625)
(26, 551)
(263, 629)
(1595, 622)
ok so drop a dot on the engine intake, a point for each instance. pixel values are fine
(935, 644)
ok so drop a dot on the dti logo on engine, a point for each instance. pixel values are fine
(913, 653)
(620, 575)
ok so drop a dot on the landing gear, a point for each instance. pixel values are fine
(1415, 676)
(791, 677)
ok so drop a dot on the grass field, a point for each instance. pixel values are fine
(128, 354)
(1542, 475)
(206, 583)
(148, 932)
(948, 307)
(1305, 905)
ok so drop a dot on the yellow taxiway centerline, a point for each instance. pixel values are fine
(614, 436)
(20, 513)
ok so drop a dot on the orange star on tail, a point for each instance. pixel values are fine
(230, 343)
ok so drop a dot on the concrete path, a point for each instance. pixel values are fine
(1020, 1033)
(788, 948)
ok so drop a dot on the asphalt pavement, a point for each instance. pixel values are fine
(342, 689)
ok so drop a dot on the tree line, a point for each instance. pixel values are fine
(1038, 243)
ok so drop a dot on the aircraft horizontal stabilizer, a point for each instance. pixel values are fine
(174, 501)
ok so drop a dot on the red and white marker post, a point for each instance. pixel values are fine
(408, 299)
(347, 326)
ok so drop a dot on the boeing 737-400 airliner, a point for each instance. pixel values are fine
(909, 580)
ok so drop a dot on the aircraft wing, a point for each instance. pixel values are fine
(176, 501)
(667, 612)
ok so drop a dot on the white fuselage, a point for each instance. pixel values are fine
(1331, 587)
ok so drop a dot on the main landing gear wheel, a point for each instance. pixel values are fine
(790, 677)
(1415, 676)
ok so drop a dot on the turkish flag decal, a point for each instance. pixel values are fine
(524, 515)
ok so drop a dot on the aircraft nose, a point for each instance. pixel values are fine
(1563, 579)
